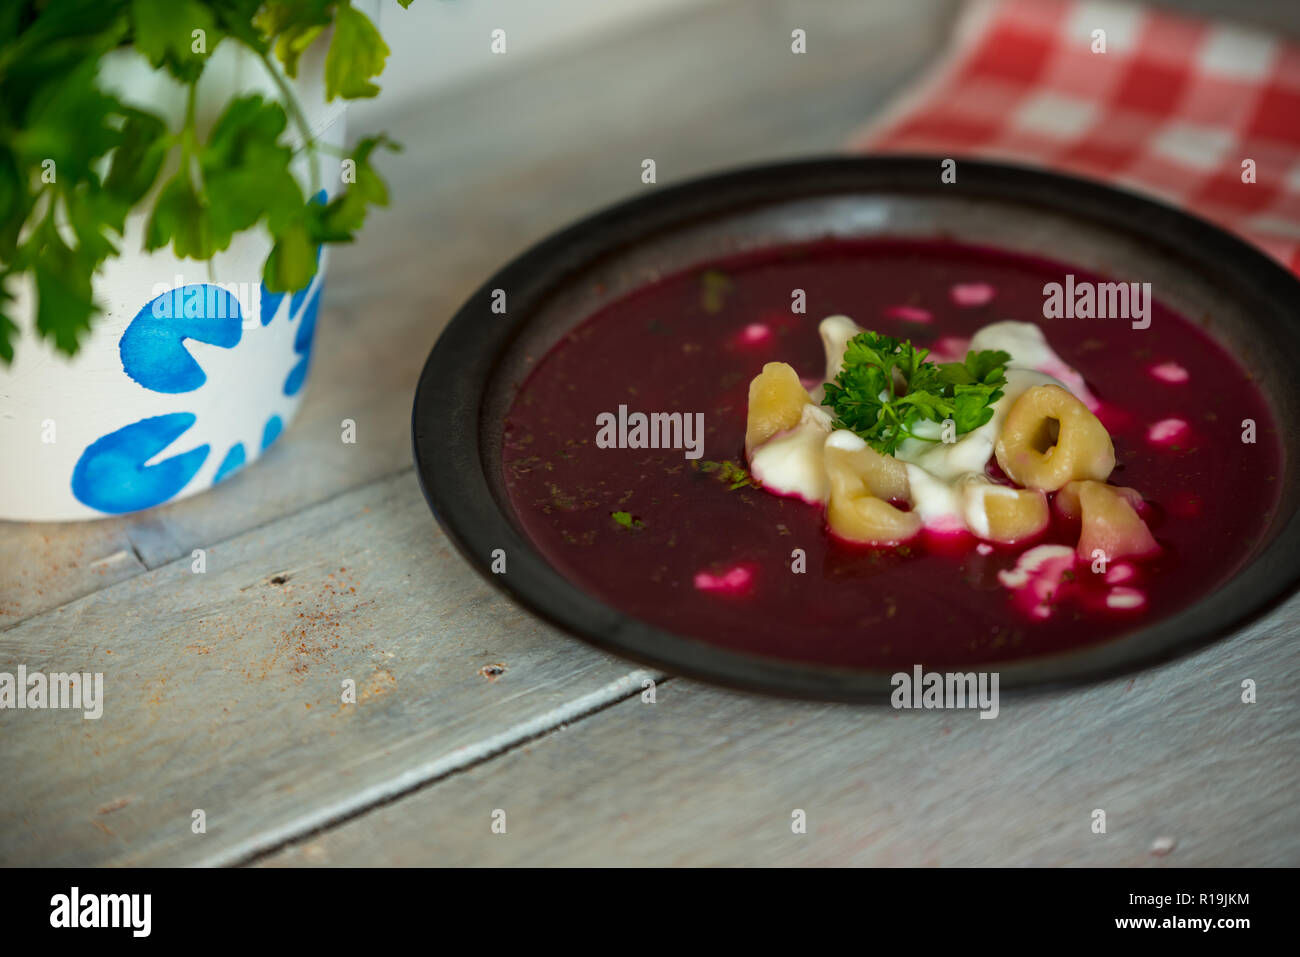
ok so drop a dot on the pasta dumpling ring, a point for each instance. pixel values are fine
(860, 481)
(1050, 438)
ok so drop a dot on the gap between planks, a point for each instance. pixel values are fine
(145, 567)
(433, 772)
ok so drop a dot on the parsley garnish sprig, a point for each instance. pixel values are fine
(75, 159)
(887, 387)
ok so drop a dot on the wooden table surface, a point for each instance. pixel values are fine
(324, 564)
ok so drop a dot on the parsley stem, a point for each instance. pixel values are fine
(300, 120)
(190, 143)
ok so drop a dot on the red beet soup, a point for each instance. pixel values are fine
(654, 533)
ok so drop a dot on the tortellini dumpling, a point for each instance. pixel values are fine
(1000, 514)
(1050, 438)
(863, 481)
(1111, 523)
(776, 402)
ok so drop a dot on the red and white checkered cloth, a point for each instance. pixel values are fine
(1172, 107)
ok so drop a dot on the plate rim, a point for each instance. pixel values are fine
(452, 387)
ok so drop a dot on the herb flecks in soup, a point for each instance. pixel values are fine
(791, 538)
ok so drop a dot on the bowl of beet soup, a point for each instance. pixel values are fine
(580, 426)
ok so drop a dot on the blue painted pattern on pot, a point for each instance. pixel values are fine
(173, 347)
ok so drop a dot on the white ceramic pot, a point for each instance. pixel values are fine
(192, 369)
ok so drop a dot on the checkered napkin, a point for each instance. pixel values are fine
(1172, 107)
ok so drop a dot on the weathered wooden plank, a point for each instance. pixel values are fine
(222, 690)
(709, 777)
(488, 169)
(44, 566)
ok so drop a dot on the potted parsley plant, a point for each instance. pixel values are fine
(172, 173)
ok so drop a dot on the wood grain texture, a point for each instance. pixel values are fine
(708, 777)
(44, 566)
(223, 690)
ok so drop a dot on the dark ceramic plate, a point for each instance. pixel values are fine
(1245, 300)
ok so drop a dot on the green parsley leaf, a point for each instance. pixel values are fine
(243, 175)
(357, 53)
(63, 296)
(178, 218)
(295, 25)
(735, 476)
(138, 157)
(887, 387)
(164, 33)
(346, 213)
(292, 262)
(8, 328)
(245, 165)
(626, 520)
(975, 385)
